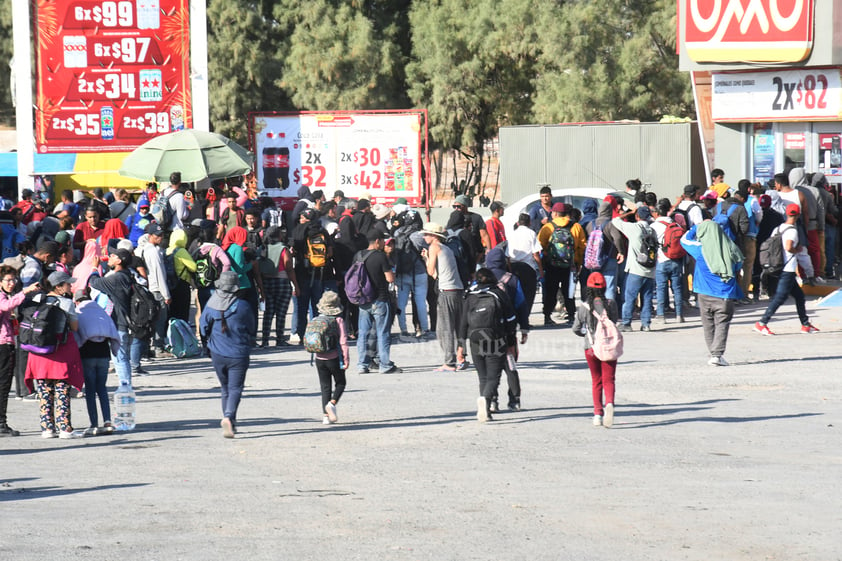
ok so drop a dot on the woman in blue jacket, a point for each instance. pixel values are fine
(227, 323)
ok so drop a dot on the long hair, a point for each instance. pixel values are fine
(593, 293)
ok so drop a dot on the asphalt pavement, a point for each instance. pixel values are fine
(703, 462)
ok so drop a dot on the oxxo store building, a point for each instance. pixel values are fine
(767, 80)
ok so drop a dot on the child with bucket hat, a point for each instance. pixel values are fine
(332, 360)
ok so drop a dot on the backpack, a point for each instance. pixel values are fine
(143, 311)
(647, 254)
(456, 245)
(771, 255)
(321, 334)
(486, 325)
(317, 250)
(207, 271)
(407, 254)
(183, 342)
(276, 217)
(359, 289)
(9, 239)
(43, 326)
(169, 269)
(723, 219)
(595, 255)
(561, 247)
(606, 340)
(672, 241)
(161, 211)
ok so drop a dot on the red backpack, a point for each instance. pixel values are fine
(672, 241)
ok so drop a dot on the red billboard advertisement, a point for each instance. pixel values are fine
(747, 30)
(111, 73)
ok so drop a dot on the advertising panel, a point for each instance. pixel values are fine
(774, 31)
(111, 73)
(355, 152)
(813, 94)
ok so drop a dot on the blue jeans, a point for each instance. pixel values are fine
(232, 377)
(787, 285)
(310, 292)
(96, 374)
(374, 316)
(609, 271)
(136, 352)
(417, 285)
(666, 273)
(636, 284)
(830, 235)
(122, 363)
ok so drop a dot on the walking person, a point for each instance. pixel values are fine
(228, 324)
(787, 283)
(563, 242)
(331, 364)
(53, 374)
(524, 253)
(488, 324)
(9, 301)
(602, 371)
(279, 285)
(717, 264)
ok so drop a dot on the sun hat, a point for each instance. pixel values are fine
(434, 229)
(228, 281)
(329, 304)
(380, 211)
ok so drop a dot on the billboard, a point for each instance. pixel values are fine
(378, 153)
(111, 73)
(776, 31)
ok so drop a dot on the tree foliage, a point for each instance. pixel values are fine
(474, 64)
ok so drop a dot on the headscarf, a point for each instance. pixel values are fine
(588, 213)
(114, 229)
(236, 235)
(227, 286)
(87, 266)
(719, 252)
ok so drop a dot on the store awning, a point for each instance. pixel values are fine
(75, 171)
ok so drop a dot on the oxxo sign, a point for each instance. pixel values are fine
(747, 30)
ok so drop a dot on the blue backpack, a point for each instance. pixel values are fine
(182, 339)
(358, 286)
(723, 219)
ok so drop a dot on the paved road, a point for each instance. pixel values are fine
(736, 463)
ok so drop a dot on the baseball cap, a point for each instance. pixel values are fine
(596, 280)
(710, 195)
(123, 255)
(59, 277)
(496, 205)
(793, 209)
(690, 189)
(154, 229)
(765, 201)
(558, 207)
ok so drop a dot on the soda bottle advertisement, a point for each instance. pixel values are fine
(110, 74)
(379, 154)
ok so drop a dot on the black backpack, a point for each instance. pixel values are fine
(463, 256)
(647, 255)
(207, 270)
(486, 325)
(407, 254)
(143, 311)
(43, 326)
(169, 270)
(771, 255)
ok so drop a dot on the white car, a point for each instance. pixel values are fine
(572, 196)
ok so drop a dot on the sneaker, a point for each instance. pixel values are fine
(325, 420)
(463, 365)
(227, 428)
(495, 407)
(723, 362)
(809, 328)
(660, 320)
(6, 430)
(624, 328)
(681, 319)
(597, 420)
(482, 410)
(405, 337)
(713, 361)
(91, 431)
(820, 280)
(330, 409)
(163, 353)
(608, 420)
(645, 328)
(514, 405)
(48, 434)
(393, 370)
(107, 428)
(70, 434)
(30, 397)
(139, 371)
(362, 370)
(762, 329)
(548, 321)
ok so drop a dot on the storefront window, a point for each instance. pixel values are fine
(763, 168)
(795, 148)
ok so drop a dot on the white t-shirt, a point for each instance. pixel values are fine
(791, 197)
(693, 210)
(660, 227)
(789, 233)
(522, 243)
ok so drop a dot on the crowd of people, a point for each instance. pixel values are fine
(470, 284)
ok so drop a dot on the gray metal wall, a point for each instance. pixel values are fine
(665, 156)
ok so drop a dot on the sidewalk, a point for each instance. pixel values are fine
(702, 463)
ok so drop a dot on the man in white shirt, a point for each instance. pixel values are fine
(788, 284)
(690, 207)
(157, 278)
(667, 271)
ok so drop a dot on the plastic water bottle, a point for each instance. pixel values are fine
(124, 407)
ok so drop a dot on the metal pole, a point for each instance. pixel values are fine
(21, 31)
(199, 64)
